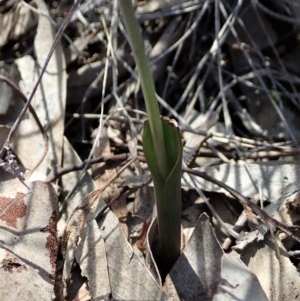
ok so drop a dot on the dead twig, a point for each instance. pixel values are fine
(55, 174)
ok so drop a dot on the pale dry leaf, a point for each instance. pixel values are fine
(278, 276)
(285, 209)
(76, 229)
(266, 179)
(15, 23)
(141, 211)
(103, 173)
(196, 273)
(78, 186)
(129, 278)
(83, 294)
(238, 283)
(193, 141)
(49, 100)
(81, 186)
(69, 248)
(84, 214)
(200, 271)
(28, 247)
(91, 257)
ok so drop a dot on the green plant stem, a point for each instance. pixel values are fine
(147, 83)
(160, 138)
(167, 194)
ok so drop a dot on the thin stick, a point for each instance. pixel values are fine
(54, 175)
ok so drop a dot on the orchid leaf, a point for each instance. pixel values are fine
(167, 189)
(162, 148)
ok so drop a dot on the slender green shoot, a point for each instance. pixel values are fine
(162, 149)
(147, 83)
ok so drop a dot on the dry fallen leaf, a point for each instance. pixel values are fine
(129, 277)
(75, 184)
(278, 276)
(267, 179)
(48, 103)
(28, 246)
(204, 272)
(83, 294)
(91, 257)
(16, 22)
